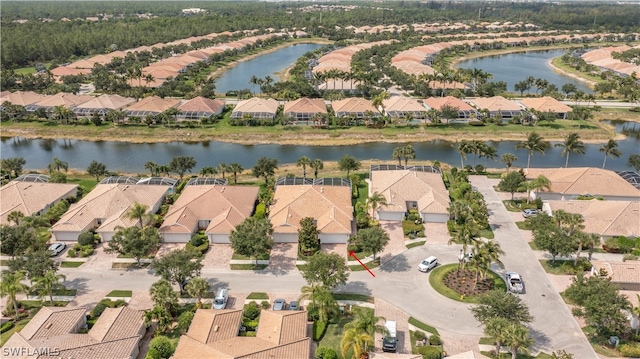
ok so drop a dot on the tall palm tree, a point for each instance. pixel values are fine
(48, 283)
(492, 252)
(489, 153)
(539, 183)
(534, 142)
(355, 341)
(465, 234)
(398, 154)
(323, 301)
(235, 168)
(161, 316)
(570, 144)
(458, 210)
(11, 285)
(198, 288)
(366, 321)
(15, 217)
(208, 171)
(223, 168)
(138, 212)
(317, 165)
(152, 167)
(57, 165)
(508, 159)
(495, 329)
(591, 243)
(376, 199)
(408, 153)
(611, 150)
(517, 337)
(163, 295)
(464, 148)
(303, 162)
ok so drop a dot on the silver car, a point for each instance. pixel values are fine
(56, 249)
(279, 304)
(529, 213)
(514, 283)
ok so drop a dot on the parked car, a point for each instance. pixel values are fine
(529, 213)
(294, 305)
(56, 249)
(427, 264)
(514, 282)
(279, 304)
(220, 301)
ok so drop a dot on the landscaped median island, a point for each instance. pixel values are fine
(464, 285)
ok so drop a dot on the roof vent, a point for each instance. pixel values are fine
(49, 325)
(223, 188)
(215, 328)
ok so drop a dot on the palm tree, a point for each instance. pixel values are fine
(518, 338)
(57, 165)
(534, 142)
(508, 159)
(15, 217)
(235, 168)
(458, 210)
(570, 144)
(374, 201)
(138, 212)
(152, 167)
(198, 288)
(489, 153)
(317, 165)
(322, 300)
(491, 251)
(408, 153)
(465, 234)
(355, 341)
(464, 148)
(495, 329)
(303, 162)
(397, 154)
(366, 321)
(11, 285)
(161, 316)
(539, 183)
(611, 150)
(163, 295)
(223, 168)
(584, 240)
(207, 171)
(591, 243)
(48, 283)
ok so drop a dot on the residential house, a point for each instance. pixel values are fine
(498, 107)
(570, 183)
(215, 208)
(464, 109)
(355, 107)
(151, 105)
(55, 332)
(200, 107)
(547, 104)
(326, 200)
(404, 108)
(626, 275)
(416, 187)
(32, 195)
(102, 104)
(303, 110)
(64, 99)
(256, 108)
(105, 208)
(21, 98)
(215, 334)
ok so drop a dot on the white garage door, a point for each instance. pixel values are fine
(333, 238)
(285, 237)
(390, 216)
(435, 217)
(176, 237)
(219, 238)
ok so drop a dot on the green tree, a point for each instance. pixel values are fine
(48, 283)
(15, 217)
(540, 183)
(511, 182)
(161, 347)
(372, 239)
(198, 288)
(365, 320)
(163, 319)
(265, 167)
(376, 199)
(398, 154)
(208, 171)
(222, 168)
(178, 266)
(634, 161)
(408, 153)
(252, 237)
(495, 328)
(465, 234)
(235, 168)
(134, 242)
(57, 164)
(570, 144)
(323, 303)
(348, 163)
(561, 354)
(308, 236)
(548, 236)
(508, 159)
(326, 269)
(13, 164)
(317, 165)
(11, 285)
(303, 162)
(610, 149)
(517, 337)
(138, 212)
(152, 167)
(34, 262)
(182, 164)
(356, 342)
(97, 169)
(533, 143)
(163, 295)
(500, 304)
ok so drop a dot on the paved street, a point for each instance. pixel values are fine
(554, 327)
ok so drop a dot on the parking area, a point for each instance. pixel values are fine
(283, 257)
(340, 249)
(218, 256)
(393, 313)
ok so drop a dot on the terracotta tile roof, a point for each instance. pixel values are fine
(353, 105)
(338, 84)
(305, 105)
(402, 104)
(67, 100)
(153, 104)
(31, 197)
(210, 325)
(546, 104)
(109, 202)
(496, 103)
(66, 71)
(21, 98)
(329, 205)
(439, 102)
(280, 327)
(105, 101)
(414, 68)
(606, 218)
(117, 323)
(257, 105)
(189, 348)
(224, 206)
(620, 272)
(400, 186)
(53, 321)
(297, 349)
(202, 104)
(585, 180)
(117, 349)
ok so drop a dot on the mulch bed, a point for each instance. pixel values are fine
(462, 281)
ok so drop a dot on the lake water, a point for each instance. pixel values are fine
(237, 77)
(515, 67)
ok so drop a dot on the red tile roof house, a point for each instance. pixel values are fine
(305, 110)
(547, 104)
(399, 107)
(464, 109)
(569, 183)
(214, 334)
(32, 198)
(151, 105)
(498, 106)
(406, 189)
(217, 209)
(105, 208)
(626, 275)
(200, 107)
(102, 104)
(54, 333)
(257, 108)
(330, 205)
(355, 107)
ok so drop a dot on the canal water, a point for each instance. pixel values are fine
(238, 77)
(515, 67)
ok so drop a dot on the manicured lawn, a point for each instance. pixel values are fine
(258, 295)
(333, 335)
(248, 266)
(264, 256)
(486, 341)
(69, 264)
(128, 265)
(523, 226)
(423, 326)
(120, 293)
(518, 205)
(487, 233)
(519, 356)
(533, 246)
(415, 244)
(353, 296)
(87, 183)
(436, 280)
(373, 264)
(563, 267)
(598, 345)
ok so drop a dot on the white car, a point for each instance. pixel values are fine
(514, 283)
(529, 213)
(427, 264)
(56, 248)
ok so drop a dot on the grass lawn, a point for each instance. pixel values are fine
(373, 264)
(258, 295)
(353, 296)
(523, 226)
(248, 266)
(487, 233)
(519, 356)
(436, 280)
(120, 293)
(415, 244)
(264, 256)
(333, 335)
(486, 341)
(517, 205)
(597, 344)
(87, 183)
(423, 326)
(533, 246)
(128, 265)
(563, 267)
(363, 189)
(69, 264)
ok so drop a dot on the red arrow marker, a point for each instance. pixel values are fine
(353, 254)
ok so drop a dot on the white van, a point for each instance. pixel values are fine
(427, 264)
(389, 341)
(220, 301)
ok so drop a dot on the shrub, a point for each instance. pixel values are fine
(435, 340)
(265, 305)
(197, 239)
(538, 203)
(87, 238)
(479, 168)
(6, 326)
(251, 311)
(419, 335)
(98, 309)
(326, 353)
(203, 248)
(71, 253)
(184, 321)
(261, 211)
(250, 325)
(319, 328)
(629, 257)
(430, 352)
(619, 245)
(451, 226)
(630, 350)
(410, 227)
(414, 215)
(160, 347)
(420, 234)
